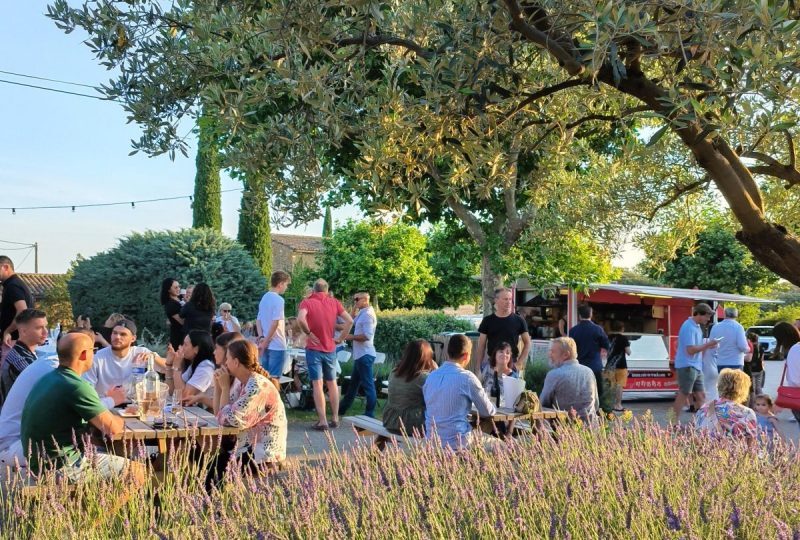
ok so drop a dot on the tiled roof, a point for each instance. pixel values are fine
(40, 283)
(303, 244)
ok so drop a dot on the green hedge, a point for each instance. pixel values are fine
(398, 327)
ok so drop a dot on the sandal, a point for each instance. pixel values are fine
(320, 427)
(333, 424)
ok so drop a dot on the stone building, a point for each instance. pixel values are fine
(289, 250)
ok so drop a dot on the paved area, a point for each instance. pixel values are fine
(305, 443)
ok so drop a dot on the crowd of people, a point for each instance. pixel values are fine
(48, 404)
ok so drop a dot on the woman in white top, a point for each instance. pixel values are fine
(192, 372)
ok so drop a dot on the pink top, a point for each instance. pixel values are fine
(322, 311)
(725, 417)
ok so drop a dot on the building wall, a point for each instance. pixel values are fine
(284, 258)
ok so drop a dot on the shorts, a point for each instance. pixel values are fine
(273, 362)
(690, 380)
(618, 377)
(321, 365)
(98, 465)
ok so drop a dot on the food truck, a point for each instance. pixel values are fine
(652, 317)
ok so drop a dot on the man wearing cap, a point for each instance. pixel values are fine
(732, 341)
(227, 320)
(113, 365)
(689, 357)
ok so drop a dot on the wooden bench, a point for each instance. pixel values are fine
(366, 426)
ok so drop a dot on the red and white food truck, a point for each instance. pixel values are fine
(652, 317)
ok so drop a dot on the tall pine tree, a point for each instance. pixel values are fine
(254, 229)
(207, 205)
(327, 223)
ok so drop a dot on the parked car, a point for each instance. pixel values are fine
(474, 319)
(765, 339)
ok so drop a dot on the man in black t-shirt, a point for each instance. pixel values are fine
(504, 326)
(16, 298)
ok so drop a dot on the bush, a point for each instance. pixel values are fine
(535, 372)
(398, 327)
(127, 278)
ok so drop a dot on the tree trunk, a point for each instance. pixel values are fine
(207, 203)
(254, 229)
(489, 282)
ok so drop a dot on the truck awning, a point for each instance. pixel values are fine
(672, 292)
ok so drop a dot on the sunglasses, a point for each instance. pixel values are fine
(226, 311)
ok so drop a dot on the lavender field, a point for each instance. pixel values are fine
(629, 480)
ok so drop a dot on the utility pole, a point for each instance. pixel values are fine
(36, 257)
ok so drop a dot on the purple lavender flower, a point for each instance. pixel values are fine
(703, 515)
(673, 523)
(553, 524)
(736, 520)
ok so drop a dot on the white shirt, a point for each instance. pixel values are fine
(270, 309)
(364, 325)
(229, 325)
(201, 378)
(108, 371)
(11, 415)
(792, 368)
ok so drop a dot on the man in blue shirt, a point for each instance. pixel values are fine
(590, 338)
(450, 392)
(732, 341)
(689, 357)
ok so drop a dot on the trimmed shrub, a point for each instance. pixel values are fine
(787, 313)
(127, 278)
(397, 327)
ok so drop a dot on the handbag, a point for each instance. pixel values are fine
(788, 396)
(527, 403)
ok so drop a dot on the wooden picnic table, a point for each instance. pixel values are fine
(191, 422)
(505, 414)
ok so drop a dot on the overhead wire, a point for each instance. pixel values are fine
(45, 79)
(101, 98)
(120, 203)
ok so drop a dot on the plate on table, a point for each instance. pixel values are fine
(128, 412)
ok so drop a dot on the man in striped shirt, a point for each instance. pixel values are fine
(450, 392)
(32, 327)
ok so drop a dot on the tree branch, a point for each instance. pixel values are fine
(677, 194)
(471, 223)
(376, 41)
(607, 117)
(544, 92)
(773, 167)
(534, 35)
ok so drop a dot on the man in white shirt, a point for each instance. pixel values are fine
(732, 341)
(113, 365)
(271, 325)
(364, 355)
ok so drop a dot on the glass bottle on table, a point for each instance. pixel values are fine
(151, 385)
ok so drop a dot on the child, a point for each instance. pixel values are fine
(767, 421)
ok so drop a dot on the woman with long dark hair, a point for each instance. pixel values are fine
(190, 369)
(170, 291)
(405, 407)
(199, 311)
(245, 397)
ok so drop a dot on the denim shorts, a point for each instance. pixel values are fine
(273, 361)
(321, 365)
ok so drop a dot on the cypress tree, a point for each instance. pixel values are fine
(254, 229)
(207, 205)
(327, 223)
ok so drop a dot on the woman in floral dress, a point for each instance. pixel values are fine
(726, 415)
(246, 398)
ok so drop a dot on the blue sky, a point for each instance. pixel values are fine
(58, 149)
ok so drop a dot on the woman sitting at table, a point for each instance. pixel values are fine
(405, 407)
(499, 364)
(254, 406)
(192, 367)
(220, 350)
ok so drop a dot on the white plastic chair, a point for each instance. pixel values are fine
(380, 357)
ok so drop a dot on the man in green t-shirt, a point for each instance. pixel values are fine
(58, 412)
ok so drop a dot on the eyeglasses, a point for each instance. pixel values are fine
(226, 311)
(356, 298)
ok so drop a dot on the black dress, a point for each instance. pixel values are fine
(176, 333)
(195, 319)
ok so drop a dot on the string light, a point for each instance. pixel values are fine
(73, 207)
